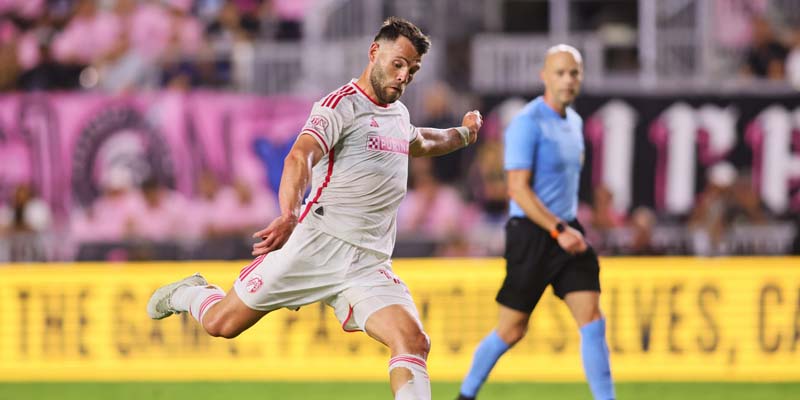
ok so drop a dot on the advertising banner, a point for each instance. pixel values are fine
(697, 319)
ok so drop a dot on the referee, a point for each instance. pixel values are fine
(544, 241)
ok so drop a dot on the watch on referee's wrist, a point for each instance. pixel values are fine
(558, 229)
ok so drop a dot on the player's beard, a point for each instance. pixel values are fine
(376, 78)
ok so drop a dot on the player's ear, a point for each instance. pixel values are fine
(373, 51)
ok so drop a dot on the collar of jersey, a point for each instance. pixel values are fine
(353, 82)
(549, 111)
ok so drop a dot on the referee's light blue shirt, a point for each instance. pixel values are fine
(551, 147)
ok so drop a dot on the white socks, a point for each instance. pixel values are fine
(196, 300)
(419, 387)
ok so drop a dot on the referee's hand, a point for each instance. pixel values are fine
(571, 240)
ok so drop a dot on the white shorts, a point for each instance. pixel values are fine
(313, 266)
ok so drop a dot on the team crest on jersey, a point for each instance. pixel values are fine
(387, 144)
(254, 283)
(317, 122)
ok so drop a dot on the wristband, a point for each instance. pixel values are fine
(558, 229)
(464, 132)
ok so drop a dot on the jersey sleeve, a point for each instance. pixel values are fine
(326, 125)
(409, 129)
(521, 137)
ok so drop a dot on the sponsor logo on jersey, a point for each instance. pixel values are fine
(387, 144)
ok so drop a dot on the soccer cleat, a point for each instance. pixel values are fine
(159, 306)
(462, 397)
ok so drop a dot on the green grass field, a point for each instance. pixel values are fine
(377, 390)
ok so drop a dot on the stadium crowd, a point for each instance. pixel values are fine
(456, 205)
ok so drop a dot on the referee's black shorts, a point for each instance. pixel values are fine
(535, 260)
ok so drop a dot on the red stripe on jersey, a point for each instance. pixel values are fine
(319, 191)
(333, 101)
(341, 96)
(370, 98)
(330, 97)
(321, 139)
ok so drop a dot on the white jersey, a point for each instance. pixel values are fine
(359, 183)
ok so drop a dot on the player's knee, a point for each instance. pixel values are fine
(589, 317)
(513, 334)
(220, 327)
(419, 343)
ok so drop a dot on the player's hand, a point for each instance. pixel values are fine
(571, 240)
(472, 121)
(275, 235)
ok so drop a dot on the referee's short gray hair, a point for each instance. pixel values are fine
(565, 48)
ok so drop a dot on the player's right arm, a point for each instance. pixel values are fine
(322, 130)
(305, 153)
(521, 138)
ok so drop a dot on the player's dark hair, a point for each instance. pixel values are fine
(395, 27)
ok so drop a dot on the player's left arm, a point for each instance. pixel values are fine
(435, 142)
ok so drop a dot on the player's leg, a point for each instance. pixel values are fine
(219, 314)
(579, 285)
(585, 308)
(376, 301)
(401, 331)
(527, 275)
(511, 328)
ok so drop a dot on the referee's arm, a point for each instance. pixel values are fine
(519, 189)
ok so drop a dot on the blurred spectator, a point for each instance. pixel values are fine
(600, 218)
(642, 222)
(231, 27)
(487, 184)
(25, 221)
(224, 217)
(160, 215)
(26, 212)
(708, 219)
(747, 207)
(290, 15)
(437, 113)
(40, 69)
(87, 37)
(431, 209)
(123, 67)
(766, 56)
(110, 217)
(9, 68)
(733, 19)
(793, 60)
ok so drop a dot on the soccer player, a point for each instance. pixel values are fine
(544, 241)
(336, 248)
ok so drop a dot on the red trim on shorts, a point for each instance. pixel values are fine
(413, 360)
(321, 139)
(370, 98)
(246, 270)
(323, 186)
(346, 320)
